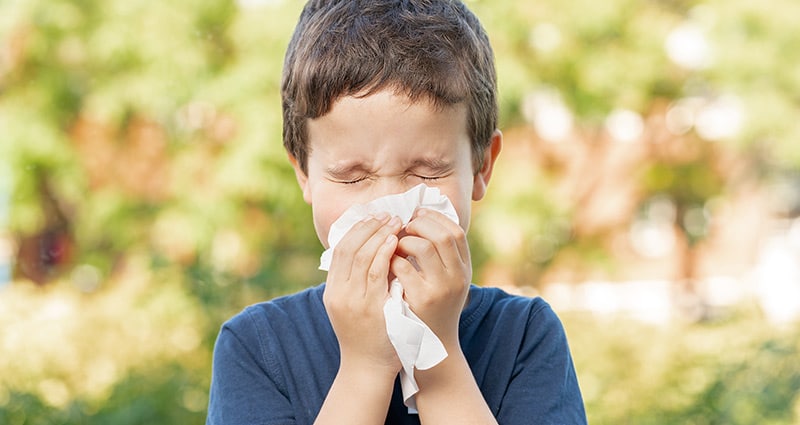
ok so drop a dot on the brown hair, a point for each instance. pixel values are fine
(434, 50)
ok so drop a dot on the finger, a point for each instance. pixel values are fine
(370, 264)
(454, 228)
(406, 273)
(350, 244)
(421, 254)
(378, 275)
(447, 236)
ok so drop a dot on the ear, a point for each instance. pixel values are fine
(302, 179)
(481, 179)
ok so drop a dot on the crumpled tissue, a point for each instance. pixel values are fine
(416, 345)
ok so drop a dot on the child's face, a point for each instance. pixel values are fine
(382, 144)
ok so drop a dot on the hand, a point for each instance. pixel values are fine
(436, 283)
(356, 289)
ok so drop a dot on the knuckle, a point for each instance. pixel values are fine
(402, 265)
(373, 275)
(427, 248)
(444, 239)
(362, 259)
(340, 250)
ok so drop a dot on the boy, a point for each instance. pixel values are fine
(378, 97)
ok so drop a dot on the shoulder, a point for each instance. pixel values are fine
(518, 351)
(515, 320)
(271, 333)
(274, 317)
(262, 355)
(491, 302)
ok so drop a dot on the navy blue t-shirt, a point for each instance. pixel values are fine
(275, 361)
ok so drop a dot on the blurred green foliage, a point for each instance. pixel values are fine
(148, 189)
(738, 370)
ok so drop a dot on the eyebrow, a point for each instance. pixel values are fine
(432, 164)
(347, 169)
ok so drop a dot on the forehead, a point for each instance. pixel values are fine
(388, 130)
(389, 113)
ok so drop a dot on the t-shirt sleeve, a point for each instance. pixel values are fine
(245, 389)
(544, 387)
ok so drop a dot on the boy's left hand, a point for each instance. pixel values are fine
(437, 288)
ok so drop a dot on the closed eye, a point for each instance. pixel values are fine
(360, 179)
(347, 173)
(431, 169)
(428, 178)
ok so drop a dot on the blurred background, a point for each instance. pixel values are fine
(649, 188)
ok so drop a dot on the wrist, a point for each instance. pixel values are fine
(368, 373)
(360, 394)
(453, 365)
(448, 393)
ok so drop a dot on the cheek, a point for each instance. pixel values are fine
(462, 202)
(325, 213)
(463, 218)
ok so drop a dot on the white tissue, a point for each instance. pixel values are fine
(416, 345)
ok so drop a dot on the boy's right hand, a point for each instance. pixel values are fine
(355, 291)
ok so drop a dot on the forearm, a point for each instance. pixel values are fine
(357, 396)
(449, 394)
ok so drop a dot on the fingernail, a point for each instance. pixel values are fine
(381, 216)
(395, 221)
